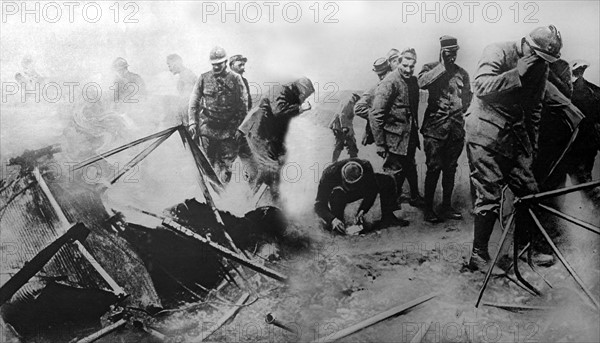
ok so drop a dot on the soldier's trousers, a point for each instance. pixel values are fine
(343, 140)
(339, 197)
(221, 153)
(490, 172)
(441, 158)
(403, 167)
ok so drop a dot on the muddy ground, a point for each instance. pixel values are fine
(337, 281)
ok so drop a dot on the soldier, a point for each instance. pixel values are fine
(128, 87)
(586, 97)
(187, 78)
(266, 128)
(393, 119)
(350, 180)
(381, 67)
(393, 58)
(217, 107)
(443, 125)
(502, 126)
(343, 128)
(237, 63)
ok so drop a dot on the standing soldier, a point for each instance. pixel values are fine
(216, 109)
(502, 126)
(128, 87)
(393, 119)
(187, 78)
(343, 128)
(443, 125)
(237, 63)
(586, 97)
(381, 67)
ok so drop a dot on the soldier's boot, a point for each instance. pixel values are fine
(483, 226)
(447, 187)
(431, 179)
(416, 200)
(389, 219)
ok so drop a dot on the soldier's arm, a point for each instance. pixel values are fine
(467, 94)
(285, 106)
(491, 81)
(347, 114)
(381, 106)
(363, 105)
(533, 116)
(323, 193)
(195, 103)
(370, 188)
(243, 95)
(429, 74)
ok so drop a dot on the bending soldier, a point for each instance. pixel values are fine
(350, 180)
(502, 126)
(216, 109)
(443, 125)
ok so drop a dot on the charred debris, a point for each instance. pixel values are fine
(72, 263)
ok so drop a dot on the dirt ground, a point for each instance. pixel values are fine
(337, 281)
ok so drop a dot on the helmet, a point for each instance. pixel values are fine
(546, 42)
(119, 63)
(352, 172)
(217, 55)
(305, 86)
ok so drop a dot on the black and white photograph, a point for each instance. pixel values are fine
(299, 171)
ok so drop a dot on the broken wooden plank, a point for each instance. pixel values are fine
(103, 332)
(227, 316)
(519, 306)
(375, 319)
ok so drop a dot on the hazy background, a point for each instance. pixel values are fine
(327, 52)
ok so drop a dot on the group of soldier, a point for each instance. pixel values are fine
(521, 114)
(517, 127)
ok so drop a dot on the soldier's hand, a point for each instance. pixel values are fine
(338, 226)
(238, 135)
(345, 130)
(382, 151)
(360, 217)
(305, 106)
(525, 62)
(193, 131)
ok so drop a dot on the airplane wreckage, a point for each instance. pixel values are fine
(72, 255)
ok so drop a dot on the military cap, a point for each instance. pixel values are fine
(381, 65)
(393, 53)
(119, 63)
(409, 53)
(448, 43)
(352, 172)
(236, 58)
(576, 64)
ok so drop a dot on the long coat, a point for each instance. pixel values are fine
(393, 116)
(505, 113)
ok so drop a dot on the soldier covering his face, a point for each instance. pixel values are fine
(502, 126)
(443, 125)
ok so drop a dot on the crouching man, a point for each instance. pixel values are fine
(350, 180)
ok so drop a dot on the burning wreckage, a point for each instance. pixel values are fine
(71, 256)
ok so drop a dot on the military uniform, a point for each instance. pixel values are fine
(218, 106)
(502, 126)
(343, 128)
(185, 83)
(443, 125)
(265, 130)
(333, 194)
(362, 109)
(393, 119)
(586, 96)
(130, 88)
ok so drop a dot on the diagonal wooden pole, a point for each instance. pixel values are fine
(562, 259)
